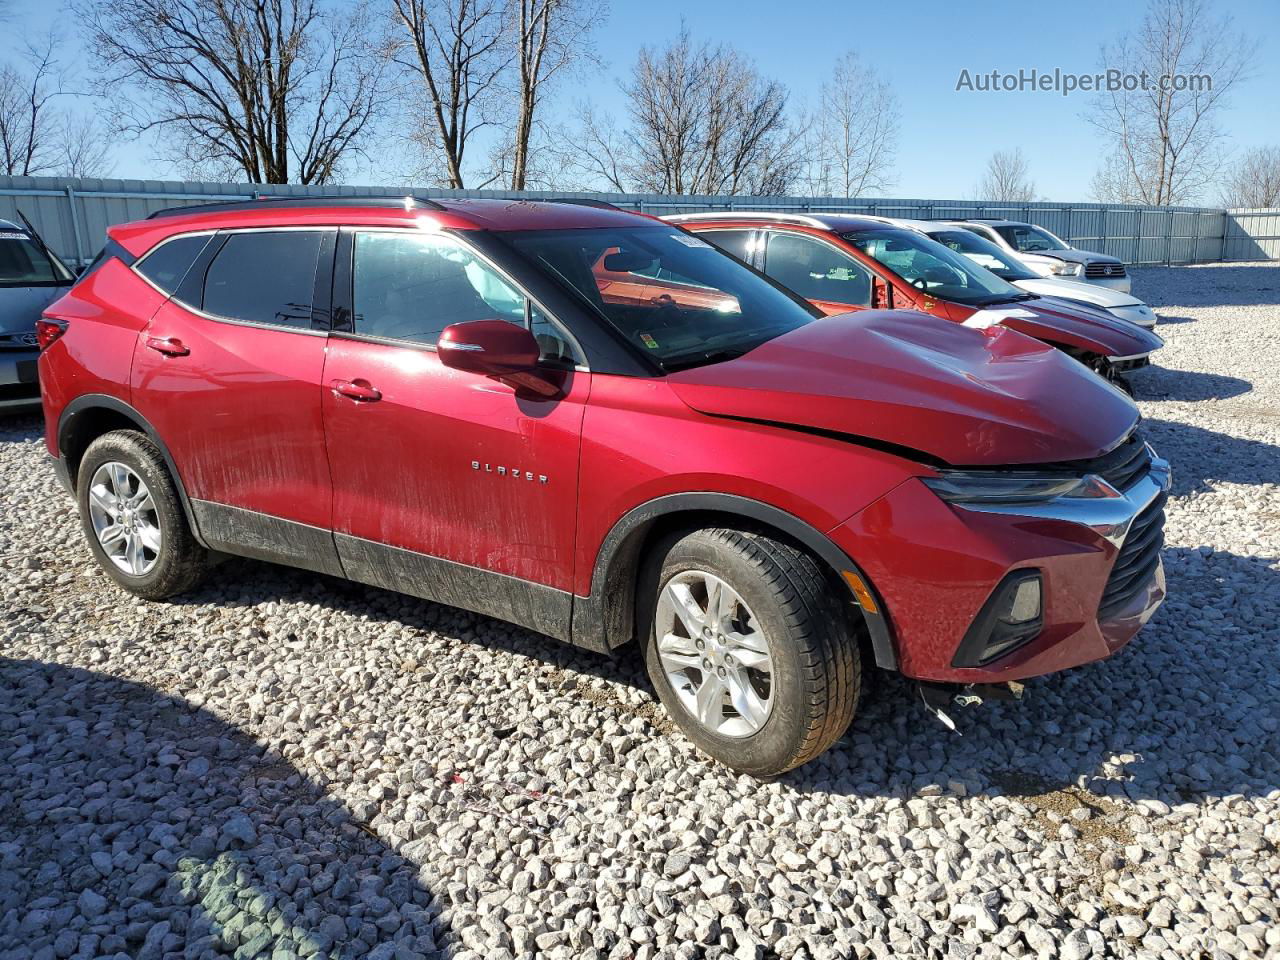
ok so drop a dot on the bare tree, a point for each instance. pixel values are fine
(551, 37)
(276, 90)
(703, 120)
(1166, 147)
(85, 148)
(457, 51)
(1253, 180)
(29, 122)
(1006, 178)
(851, 138)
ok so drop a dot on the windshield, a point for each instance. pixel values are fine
(674, 296)
(933, 268)
(985, 254)
(24, 264)
(1028, 239)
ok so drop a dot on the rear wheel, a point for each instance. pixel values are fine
(749, 649)
(133, 519)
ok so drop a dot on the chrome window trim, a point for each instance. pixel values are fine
(218, 318)
(453, 236)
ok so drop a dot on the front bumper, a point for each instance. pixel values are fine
(935, 565)
(1122, 284)
(19, 381)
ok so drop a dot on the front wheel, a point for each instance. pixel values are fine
(749, 649)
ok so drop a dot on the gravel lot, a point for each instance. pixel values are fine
(285, 766)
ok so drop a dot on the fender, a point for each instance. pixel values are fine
(605, 619)
(101, 401)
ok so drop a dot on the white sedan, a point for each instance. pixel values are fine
(1002, 264)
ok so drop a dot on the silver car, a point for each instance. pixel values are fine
(1049, 255)
(31, 277)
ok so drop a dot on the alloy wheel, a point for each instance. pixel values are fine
(714, 654)
(124, 518)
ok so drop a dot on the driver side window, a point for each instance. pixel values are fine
(410, 286)
(816, 270)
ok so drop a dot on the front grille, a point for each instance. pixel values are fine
(19, 391)
(1121, 467)
(1137, 559)
(1103, 271)
(18, 341)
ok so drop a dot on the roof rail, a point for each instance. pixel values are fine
(583, 202)
(752, 215)
(404, 201)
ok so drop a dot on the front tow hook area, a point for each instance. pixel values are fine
(936, 697)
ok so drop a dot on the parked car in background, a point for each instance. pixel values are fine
(1049, 255)
(444, 399)
(841, 262)
(31, 276)
(1005, 266)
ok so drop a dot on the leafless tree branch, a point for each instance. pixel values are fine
(1006, 178)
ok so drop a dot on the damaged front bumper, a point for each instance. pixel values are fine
(1097, 562)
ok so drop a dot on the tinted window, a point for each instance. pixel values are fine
(410, 286)
(168, 263)
(264, 277)
(1030, 239)
(737, 242)
(816, 270)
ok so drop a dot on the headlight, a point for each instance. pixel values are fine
(971, 486)
(1066, 270)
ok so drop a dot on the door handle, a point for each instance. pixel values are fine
(357, 390)
(169, 346)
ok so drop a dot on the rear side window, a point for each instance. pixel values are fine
(737, 242)
(264, 277)
(167, 264)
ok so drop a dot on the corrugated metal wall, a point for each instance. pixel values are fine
(1252, 235)
(73, 214)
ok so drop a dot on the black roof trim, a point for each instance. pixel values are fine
(291, 202)
(584, 202)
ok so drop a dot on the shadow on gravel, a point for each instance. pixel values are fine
(1200, 457)
(134, 824)
(1189, 709)
(1219, 285)
(1161, 383)
(1167, 319)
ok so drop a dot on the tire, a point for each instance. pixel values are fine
(809, 680)
(114, 473)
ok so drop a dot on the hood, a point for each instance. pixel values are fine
(900, 378)
(1073, 256)
(20, 307)
(1105, 297)
(1080, 326)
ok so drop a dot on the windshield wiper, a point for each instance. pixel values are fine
(699, 358)
(1016, 298)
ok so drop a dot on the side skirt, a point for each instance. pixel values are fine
(532, 605)
(247, 533)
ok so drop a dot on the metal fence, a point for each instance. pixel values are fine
(1252, 235)
(73, 214)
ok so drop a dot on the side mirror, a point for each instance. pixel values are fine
(499, 349)
(494, 348)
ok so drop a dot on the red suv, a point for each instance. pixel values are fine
(842, 262)
(439, 398)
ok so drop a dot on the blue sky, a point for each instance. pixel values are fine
(920, 48)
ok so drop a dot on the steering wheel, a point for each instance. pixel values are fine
(920, 283)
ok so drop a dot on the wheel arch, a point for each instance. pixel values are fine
(606, 618)
(89, 416)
